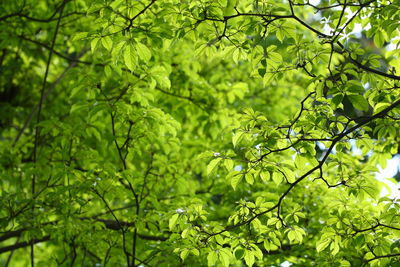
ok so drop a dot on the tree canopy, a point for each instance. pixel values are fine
(198, 133)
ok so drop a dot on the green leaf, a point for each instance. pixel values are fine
(264, 176)
(130, 57)
(212, 258)
(107, 42)
(161, 76)
(116, 51)
(230, 8)
(355, 88)
(268, 78)
(79, 36)
(211, 166)
(172, 221)
(380, 106)
(236, 138)
(345, 263)
(280, 34)
(107, 70)
(272, 221)
(369, 256)
(359, 102)
(185, 233)
(337, 99)
(75, 91)
(228, 164)
(116, 3)
(267, 245)
(224, 257)
(205, 154)
(249, 257)
(379, 38)
(289, 175)
(321, 245)
(249, 178)
(143, 52)
(239, 253)
(235, 180)
(256, 224)
(334, 248)
(93, 44)
(237, 55)
(195, 251)
(168, 80)
(184, 254)
(75, 108)
(295, 235)
(277, 177)
(291, 236)
(257, 251)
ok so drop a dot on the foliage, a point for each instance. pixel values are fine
(171, 133)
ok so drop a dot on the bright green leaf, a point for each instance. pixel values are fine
(143, 52)
(107, 42)
(211, 166)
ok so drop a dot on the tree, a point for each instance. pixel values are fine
(195, 133)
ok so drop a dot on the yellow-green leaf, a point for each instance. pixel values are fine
(107, 42)
(277, 177)
(93, 43)
(249, 178)
(195, 252)
(143, 52)
(380, 106)
(212, 257)
(224, 257)
(264, 176)
(289, 175)
(211, 166)
(228, 164)
(172, 221)
(249, 258)
(79, 36)
(323, 245)
(130, 57)
(379, 38)
(236, 138)
(235, 180)
(160, 74)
